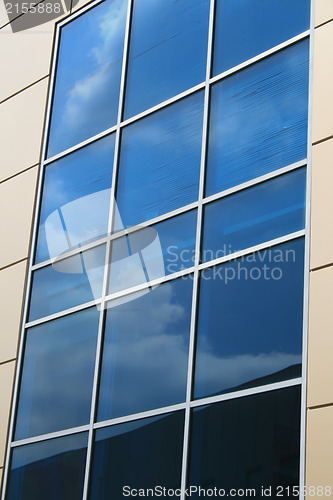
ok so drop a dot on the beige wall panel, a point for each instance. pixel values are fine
(324, 11)
(21, 122)
(322, 205)
(3, 15)
(320, 366)
(323, 83)
(16, 206)
(319, 453)
(12, 280)
(26, 55)
(6, 386)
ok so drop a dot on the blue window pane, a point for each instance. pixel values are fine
(52, 469)
(57, 376)
(76, 199)
(153, 252)
(143, 454)
(250, 442)
(67, 283)
(258, 120)
(260, 213)
(160, 162)
(245, 28)
(250, 321)
(146, 350)
(88, 75)
(168, 49)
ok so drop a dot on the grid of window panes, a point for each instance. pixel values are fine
(163, 339)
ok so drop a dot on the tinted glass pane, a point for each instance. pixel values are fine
(57, 377)
(76, 199)
(88, 75)
(146, 350)
(247, 443)
(272, 22)
(168, 50)
(142, 454)
(260, 213)
(250, 321)
(51, 469)
(160, 162)
(258, 120)
(67, 283)
(153, 252)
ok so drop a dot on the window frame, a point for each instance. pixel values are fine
(202, 200)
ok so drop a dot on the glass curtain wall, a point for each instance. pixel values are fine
(162, 345)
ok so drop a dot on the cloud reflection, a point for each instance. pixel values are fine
(146, 351)
(88, 80)
(219, 373)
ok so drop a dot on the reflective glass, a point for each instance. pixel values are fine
(145, 353)
(143, 454)
(249, 442)
(168, 49)
(250, 321)
(258, 119)
(51, 470)
(87, 83)
(153, 252)
(67, 283)
(245, 28)
(76, 199)
(257, 214)
(57, 376)
(160, 162)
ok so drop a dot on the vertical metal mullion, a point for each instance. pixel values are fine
(302, 463)
(19, 362)
(197, 252)
(107, 256)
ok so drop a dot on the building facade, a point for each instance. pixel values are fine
(166, 297)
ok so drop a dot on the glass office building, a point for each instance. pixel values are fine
(164, 341)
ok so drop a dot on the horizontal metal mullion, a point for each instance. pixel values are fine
(139, 416)
(250, 250)
(160, 411)
(70, 253)
(255, 181)
(260, 57)
(178, 97)
(65, 312)
(169, 277)
(148, 284)
(117, 235)
(247, 392)
(51, 435)
(155, 220)
(80, 145)
(174, 213)
(133, 119)
(110, 297)
(163, 104)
